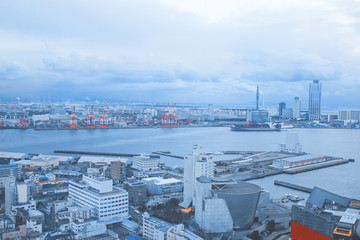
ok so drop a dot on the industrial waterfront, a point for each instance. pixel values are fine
(331, 142)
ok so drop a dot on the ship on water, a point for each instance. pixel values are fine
(255, 127)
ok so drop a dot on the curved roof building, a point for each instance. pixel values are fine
(242, 199)
(224, 204)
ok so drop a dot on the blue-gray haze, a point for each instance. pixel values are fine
(342, 179)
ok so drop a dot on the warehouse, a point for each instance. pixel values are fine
(299, 161)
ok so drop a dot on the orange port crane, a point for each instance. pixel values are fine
(90, 123)
(169, 119)
(22, 123)
(2, 123)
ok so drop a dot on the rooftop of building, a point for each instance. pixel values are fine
(85, 221)
(237, 188)
(157, 221)
(302, 157)
(144, 157)
(331, 208)
(100, 159)
(82, 184)
(8, 166)
(33, 213)
(12, 155)
(319, 197)
(97, 165)
(161, 181)
(43, 159)
(23, 162)
(96, 177)
(134, 237)
(135, 183)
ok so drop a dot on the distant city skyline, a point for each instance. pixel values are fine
(180, 51)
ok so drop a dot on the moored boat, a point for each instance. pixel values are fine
(255, 127)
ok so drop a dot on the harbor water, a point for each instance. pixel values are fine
(341, 179)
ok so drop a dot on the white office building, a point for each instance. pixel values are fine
(108, 202)
(145, 163)
(157, 229)
(195, 165)
(88, 228)
(178, 232)
(154, 228)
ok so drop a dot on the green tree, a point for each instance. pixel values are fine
(270, 226)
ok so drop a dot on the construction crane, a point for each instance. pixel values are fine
(23, 123)
(73, 119)
(90, 123)
(104, 121)
(169, 119)
(2, 123)
(173, 118)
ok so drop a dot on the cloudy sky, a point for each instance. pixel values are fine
(184, 51)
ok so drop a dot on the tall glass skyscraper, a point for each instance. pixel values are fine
(315, 100)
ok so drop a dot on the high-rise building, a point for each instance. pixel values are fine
(10, 197)
(195, 165)
(315, 100)
(287, 113)
(137, 192)
(297, 108)
(282, 106)
(353, 115)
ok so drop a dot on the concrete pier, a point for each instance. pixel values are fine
(293, 186)
(168, 154)
(102, 153)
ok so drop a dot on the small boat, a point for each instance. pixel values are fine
(291, 198)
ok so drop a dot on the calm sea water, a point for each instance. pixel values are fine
(342, 179)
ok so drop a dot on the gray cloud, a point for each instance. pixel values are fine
(156, 51)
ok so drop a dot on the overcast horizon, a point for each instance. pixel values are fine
(180, 51)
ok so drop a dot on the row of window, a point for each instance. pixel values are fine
(111, 198)
(122, 204)
(112, 203)
(119, 210)
(111, 214)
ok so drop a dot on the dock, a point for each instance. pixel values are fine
(293, 186)
(168, 154)
(316, 166)
(102, 153)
